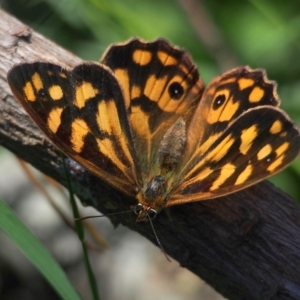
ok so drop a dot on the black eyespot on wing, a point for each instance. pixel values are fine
(271, 157)
(220, 99)
(175, 90)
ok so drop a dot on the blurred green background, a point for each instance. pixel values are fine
(219, 34)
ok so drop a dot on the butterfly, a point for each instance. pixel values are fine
(142, 121)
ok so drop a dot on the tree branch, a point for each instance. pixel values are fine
(246, 245)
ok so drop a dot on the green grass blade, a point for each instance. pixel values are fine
(80, 231)
(36, 253)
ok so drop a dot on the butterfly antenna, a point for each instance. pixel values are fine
(106, 215)
(157, 239)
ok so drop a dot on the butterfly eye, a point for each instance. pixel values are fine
(138, 208)
(220, 99)
(151, 213)
(175, 90)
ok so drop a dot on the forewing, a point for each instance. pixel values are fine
(224, 100)
(160, 84)
(243, 138)
(83, 113)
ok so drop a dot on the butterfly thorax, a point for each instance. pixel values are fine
(153, 196)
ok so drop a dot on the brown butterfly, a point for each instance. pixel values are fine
(143, 121)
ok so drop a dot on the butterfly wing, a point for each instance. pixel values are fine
(225, 99)
(161, 84)
(84, 114)
(237, 137)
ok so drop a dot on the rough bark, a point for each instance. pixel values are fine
(246, 245)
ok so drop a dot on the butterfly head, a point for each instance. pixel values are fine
(144, 213)
(151, 199)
